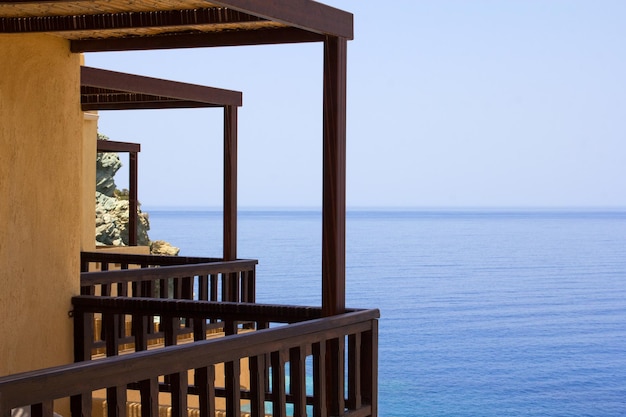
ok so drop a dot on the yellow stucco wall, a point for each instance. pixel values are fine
(40, 211)
(90, 135)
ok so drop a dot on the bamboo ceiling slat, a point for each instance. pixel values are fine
(121, 33)
(84, 7)
(137, 23)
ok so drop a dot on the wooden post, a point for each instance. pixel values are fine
(334, 212)
(230, 197)
(334, 178)
(132, 200)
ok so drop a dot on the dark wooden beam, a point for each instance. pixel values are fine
(334, 178)
(304, 14)
(114, 146)
(271, 36)
(99, 78)
(142, 105)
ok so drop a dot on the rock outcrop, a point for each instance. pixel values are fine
(112, 210)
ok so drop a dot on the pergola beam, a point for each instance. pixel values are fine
(304, 14)
(129, 83)
(272, 36)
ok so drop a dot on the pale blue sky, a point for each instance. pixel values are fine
(509, 103)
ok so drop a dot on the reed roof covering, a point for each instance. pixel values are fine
(98, 25)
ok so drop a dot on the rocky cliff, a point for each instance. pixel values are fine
(112, 210)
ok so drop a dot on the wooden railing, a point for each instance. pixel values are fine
(304, 340)
(168, 277)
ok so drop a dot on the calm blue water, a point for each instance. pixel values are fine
(483, 313)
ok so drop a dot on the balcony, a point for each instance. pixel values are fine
(183, 337)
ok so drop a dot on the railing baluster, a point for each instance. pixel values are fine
(204, 380)
(354, 372)
(105, 289)
(111, 328)
(319, 380)
(122, 287)
(297, 379)
(257, 385)
(203, 287)
(45, 409)
(81, 405)
(279, 408)
(185, 288)
(140, 331)
(116, 401)
(232, 374)
(164, 288)
(177, 288)
(214, 289)
(335, 376)
(149, 390)
(83, 335)
(369, 367)
(251, 286)
(179, 384)
(232, 384)
(243, 285)
(170, 329)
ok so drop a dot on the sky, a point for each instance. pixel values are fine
(451, 104)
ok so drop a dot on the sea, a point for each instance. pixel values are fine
(483, 312)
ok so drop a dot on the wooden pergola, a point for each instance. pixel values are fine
(109, 90)
(120, 25)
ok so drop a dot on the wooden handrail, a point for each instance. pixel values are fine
(138, 259)
(171, 271)
(43, 386)
(183, 275)
(192, 308)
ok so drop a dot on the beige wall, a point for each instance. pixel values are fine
(90, 135)
(40, 214)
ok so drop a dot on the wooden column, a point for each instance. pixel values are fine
(230, 183)
(334, 178)
(133, 199)
(230, 196)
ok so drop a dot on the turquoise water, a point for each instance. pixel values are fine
(484, 313)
